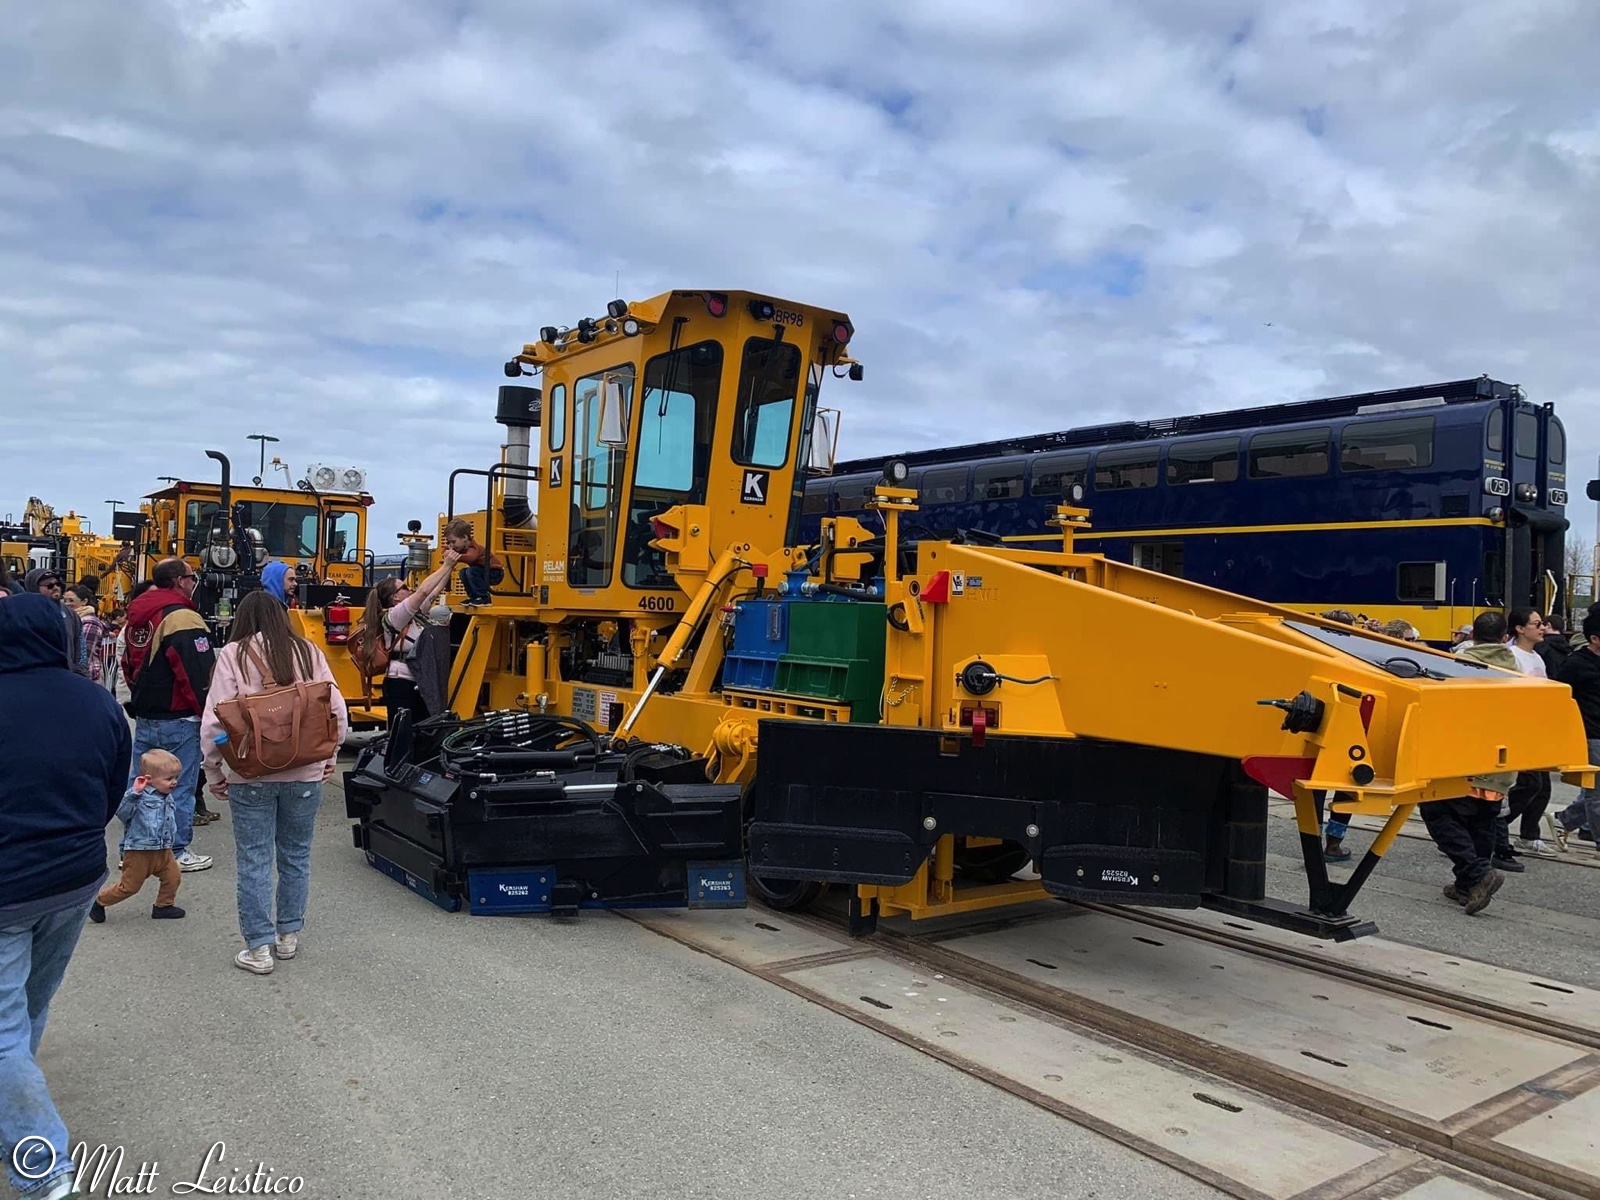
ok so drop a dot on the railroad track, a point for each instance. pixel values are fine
(1265, 1064)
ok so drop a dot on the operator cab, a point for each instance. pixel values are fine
(705, 402)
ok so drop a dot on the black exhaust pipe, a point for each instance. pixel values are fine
(227, 476)
(225, 501)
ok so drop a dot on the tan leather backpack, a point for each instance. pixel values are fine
(278, 728)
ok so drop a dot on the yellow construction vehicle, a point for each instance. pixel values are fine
(229, 533)
(665, 687)
(60, 543)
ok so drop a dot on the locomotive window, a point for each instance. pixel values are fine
(1558, 443)
(287, 530)
(1494, 431)
(852, 494)
(816, 500)
(677, 414)
(1055, 474)
(197, 516)
(1525, 431)
(1420, 582)
(555, 418)
(1294, 453)
(1387, 445)
(678, 409)
(1215, 460)
(341, 539)
(998, 481)
(1115, 470)
(595, 486)
(769, 381)
(947, 486)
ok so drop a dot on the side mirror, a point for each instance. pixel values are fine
(615, 393)
(824, 441)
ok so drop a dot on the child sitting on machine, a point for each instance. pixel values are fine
(480, 570)
(149, 817)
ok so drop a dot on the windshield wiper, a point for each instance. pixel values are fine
(1409, 668)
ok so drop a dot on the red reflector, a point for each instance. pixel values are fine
(183, 487)
(937, 590)
(716, 304)
(1367, 703)
(842, 332)
(980, 724)
(759, 570)
(1279, 772)
(660, 530)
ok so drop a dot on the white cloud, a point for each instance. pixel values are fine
(333, 222)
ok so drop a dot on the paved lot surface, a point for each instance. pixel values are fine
(412, 1053)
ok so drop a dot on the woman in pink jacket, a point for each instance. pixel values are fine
(273, 815)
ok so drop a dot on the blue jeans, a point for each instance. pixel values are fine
(183, 739)
(1584, 812)
(33, 958)
(268, 817)
(477, 580)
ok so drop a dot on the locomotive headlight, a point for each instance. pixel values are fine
(1527, 493)
(1496, 513)
(896, 472)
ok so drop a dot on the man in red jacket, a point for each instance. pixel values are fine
(167, 664)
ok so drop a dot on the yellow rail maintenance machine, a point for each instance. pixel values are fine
(229, 533)
(666, 698)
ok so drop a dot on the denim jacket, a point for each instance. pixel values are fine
(151, 819)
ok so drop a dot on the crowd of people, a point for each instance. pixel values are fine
(1475, 831)
(73, 766)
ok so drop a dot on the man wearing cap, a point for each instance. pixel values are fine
(48, 584)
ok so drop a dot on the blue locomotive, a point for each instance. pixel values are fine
(1430, 504)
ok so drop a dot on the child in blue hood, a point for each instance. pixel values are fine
(151, 818)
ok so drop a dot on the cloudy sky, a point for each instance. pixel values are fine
(332, 220)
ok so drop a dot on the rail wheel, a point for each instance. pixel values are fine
(785, 895)
(990, 864)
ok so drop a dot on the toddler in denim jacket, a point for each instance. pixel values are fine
(149, 817)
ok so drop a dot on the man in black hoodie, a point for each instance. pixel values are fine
(1555, 648)
(64, 749)
(1581, 673)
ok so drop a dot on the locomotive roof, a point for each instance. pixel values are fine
(1460, 391)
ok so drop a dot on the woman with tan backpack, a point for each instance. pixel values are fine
(273, 724)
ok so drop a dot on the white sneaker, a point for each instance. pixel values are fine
(257, 961)
(190, 861)
(1534, 846)
(288, 944)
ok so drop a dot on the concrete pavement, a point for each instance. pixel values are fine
(410, 1052)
